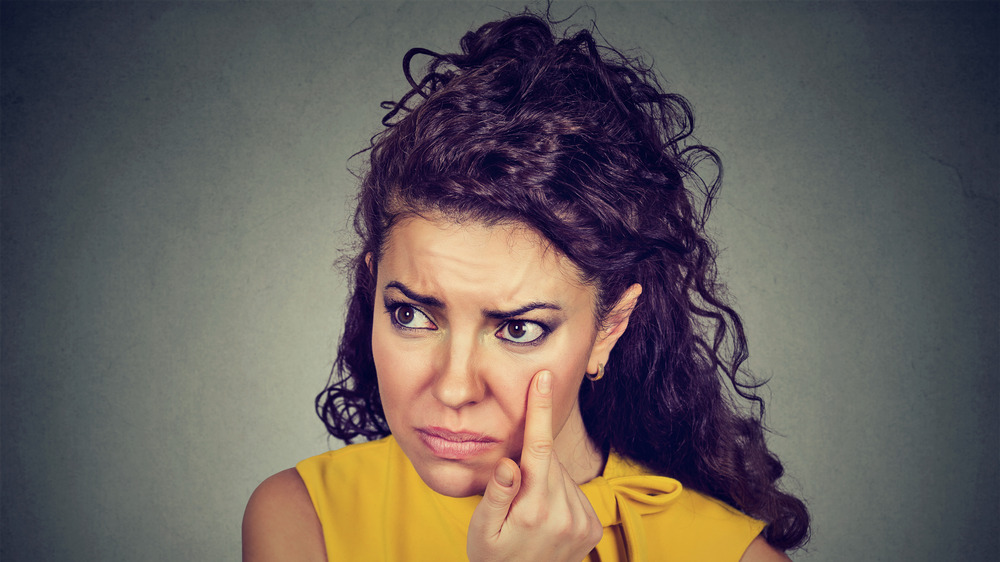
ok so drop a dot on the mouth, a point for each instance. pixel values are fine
(455, 445)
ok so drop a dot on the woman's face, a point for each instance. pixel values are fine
(465, 315)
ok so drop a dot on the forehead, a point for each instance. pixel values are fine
(506, 262)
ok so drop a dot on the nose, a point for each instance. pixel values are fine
(458, 381)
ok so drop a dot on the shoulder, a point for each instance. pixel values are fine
(364, 465)
(730, 528)
(760, 551)
(280, 522)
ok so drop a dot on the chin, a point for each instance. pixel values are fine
(453, 479)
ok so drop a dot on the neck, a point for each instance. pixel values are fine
(577, 453)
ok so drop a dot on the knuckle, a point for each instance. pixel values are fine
(595, 532)
(540, 447)
(581, 529)
(567, 527)
(497, 499)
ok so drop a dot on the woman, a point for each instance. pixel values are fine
(535, 341)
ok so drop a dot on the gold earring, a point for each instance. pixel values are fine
(598, 376)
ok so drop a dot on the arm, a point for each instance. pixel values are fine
(760, 551)
(280, 522)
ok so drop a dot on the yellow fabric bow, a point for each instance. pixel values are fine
(624, 500)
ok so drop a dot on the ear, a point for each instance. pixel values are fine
(614, 327)
(369, 261)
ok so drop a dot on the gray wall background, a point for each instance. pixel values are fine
(175, 193)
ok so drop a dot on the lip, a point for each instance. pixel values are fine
(455, 445)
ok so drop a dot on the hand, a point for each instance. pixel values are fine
(534, 511)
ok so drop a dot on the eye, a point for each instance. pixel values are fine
(522, 331)
(406, 316)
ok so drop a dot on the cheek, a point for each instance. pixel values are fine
(567, 378)
(395, 369)
(567, 375)
(566, 359)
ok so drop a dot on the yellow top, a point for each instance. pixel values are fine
(373, 505)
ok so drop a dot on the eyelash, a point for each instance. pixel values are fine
(535, 342)
(391, 307)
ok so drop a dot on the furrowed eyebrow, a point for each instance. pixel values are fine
(508, 314)
(414, 296)
(494, 314)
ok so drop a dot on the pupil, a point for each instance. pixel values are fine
(404, 315)
(516, 330)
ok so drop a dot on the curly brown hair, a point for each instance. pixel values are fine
(580, 143)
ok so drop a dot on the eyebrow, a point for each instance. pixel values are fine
(507, 314)
(427, 300)
(414, 296)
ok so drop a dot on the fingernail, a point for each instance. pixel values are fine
(544, 382)
(504, 475)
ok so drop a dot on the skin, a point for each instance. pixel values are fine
(456, 365)
(447, 359)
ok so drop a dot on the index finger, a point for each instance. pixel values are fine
(536, 450)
